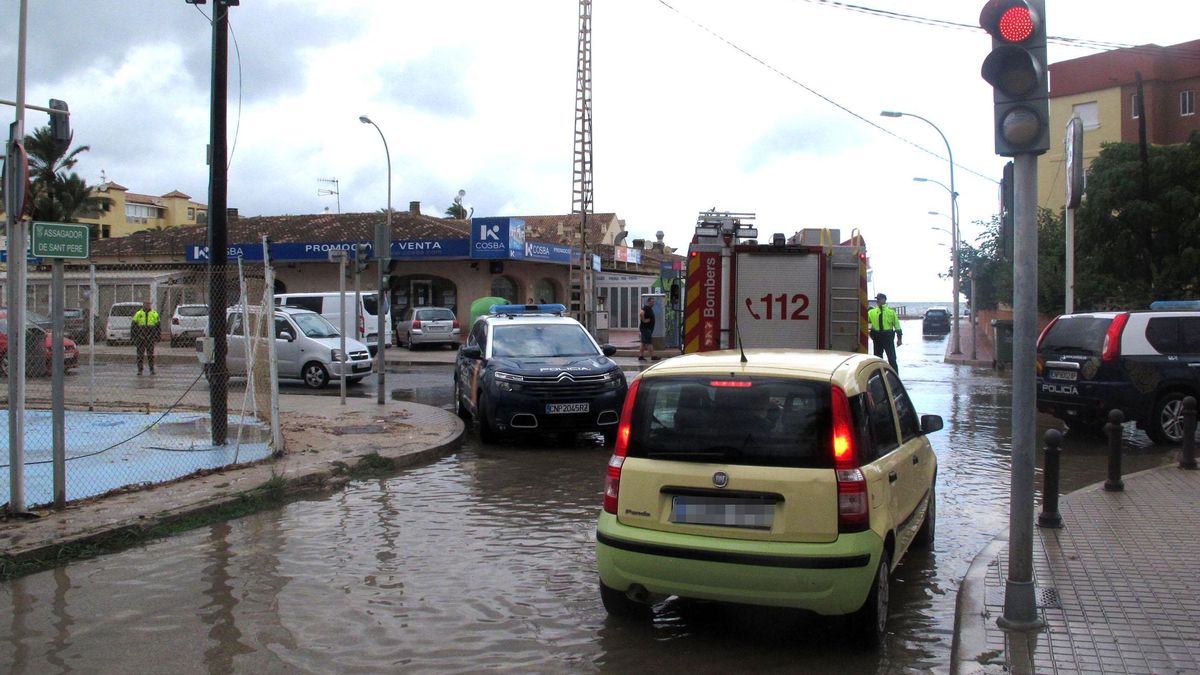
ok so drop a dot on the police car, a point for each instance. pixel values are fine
(529, 369)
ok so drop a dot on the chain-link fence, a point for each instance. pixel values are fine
(142, 401)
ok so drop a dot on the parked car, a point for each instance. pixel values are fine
(329, 305)
(75, 324)
(120, 316)
(307, 347)
(529, 369)
(37, 362)
(427, 326)
(188, 323)
(936, 321)
(1141, 363)
(790, 478)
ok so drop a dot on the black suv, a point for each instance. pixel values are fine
(936, 321)
(1142, 363)
(527, 368)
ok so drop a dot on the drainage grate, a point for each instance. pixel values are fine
(1044, 598)
(358, 429)
(1047, 598)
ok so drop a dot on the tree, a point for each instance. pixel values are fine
(56, 193)
(1138, 229)
(456, 211)
(993, 270)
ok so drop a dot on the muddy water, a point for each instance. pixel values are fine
(484, 561)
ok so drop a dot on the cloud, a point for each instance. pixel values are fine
(433, 83)
(814, 137)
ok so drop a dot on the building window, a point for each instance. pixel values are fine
(1187, 103)
(140, 214)
(202, 217)
(1135, 106)
(105, 231)
(1088, 113)
(191, 213)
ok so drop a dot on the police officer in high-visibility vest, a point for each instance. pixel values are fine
(144, 332)
(884, 327)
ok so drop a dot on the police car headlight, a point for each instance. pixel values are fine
(613, 379)
(508, 381)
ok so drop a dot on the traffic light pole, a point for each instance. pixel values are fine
(1020, 607)
(218, 236)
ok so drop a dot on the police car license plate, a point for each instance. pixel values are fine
(1066, 375)
(566, 408)
(753, 514)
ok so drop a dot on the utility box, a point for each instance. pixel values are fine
(600, 326)
(1002, 341)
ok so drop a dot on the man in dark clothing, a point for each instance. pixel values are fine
(144, 331)
(646, 326)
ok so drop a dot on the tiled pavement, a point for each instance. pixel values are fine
(1117, 587)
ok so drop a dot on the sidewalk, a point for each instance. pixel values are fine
(325, 443)
(1116, 587)
(976, 349)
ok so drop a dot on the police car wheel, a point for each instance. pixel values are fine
(1165, 426)
(487, 428)
(459, 408)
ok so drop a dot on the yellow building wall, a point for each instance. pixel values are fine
(172, 211)
(1052, 166)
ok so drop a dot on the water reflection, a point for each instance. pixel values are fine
(484, 560)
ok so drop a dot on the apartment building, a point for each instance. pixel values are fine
(1102, 90)
(131, 212)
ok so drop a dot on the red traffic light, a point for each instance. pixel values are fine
(1011, 21)
(1016, 24)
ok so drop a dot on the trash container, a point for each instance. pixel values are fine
(1002, 343)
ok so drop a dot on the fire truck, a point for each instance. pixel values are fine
(808, 291)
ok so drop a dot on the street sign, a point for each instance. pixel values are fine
(60, 240)
(1073, 149)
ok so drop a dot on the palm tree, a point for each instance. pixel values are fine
(56, 193)
(456, 211)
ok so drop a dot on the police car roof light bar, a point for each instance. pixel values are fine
(550, 308)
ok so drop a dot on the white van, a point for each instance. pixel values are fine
(120, 317)
(328, 305)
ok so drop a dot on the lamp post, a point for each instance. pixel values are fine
(953, 216)
(383, 251)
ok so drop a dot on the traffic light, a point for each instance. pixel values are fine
(60, 125)
(361, 259)
(1006, 212)
(1017, 70)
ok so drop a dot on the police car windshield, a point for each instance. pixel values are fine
(315, 326)
(542, 340)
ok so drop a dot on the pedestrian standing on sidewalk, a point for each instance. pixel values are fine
(884, 327)
(646, 326)
(144, 332)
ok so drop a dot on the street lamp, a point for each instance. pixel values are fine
(383, 251)
(953, 216)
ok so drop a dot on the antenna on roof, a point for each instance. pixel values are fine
(738, 332)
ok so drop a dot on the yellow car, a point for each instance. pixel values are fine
(791, 478)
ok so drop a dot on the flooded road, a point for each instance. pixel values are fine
(484, 560)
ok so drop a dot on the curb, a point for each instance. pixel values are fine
(323, 476)
(969, 649)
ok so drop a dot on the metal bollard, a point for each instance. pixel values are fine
(1049, 517)
(1188, 459)
(1113, 429)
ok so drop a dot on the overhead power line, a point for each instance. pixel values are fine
(821, 96)
(939, 23)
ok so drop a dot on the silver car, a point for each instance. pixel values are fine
(307, 348)
(427, 326)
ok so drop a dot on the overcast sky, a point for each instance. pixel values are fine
(763, 106)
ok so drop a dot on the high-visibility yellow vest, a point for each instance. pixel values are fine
(883, 318)
(144, 318)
